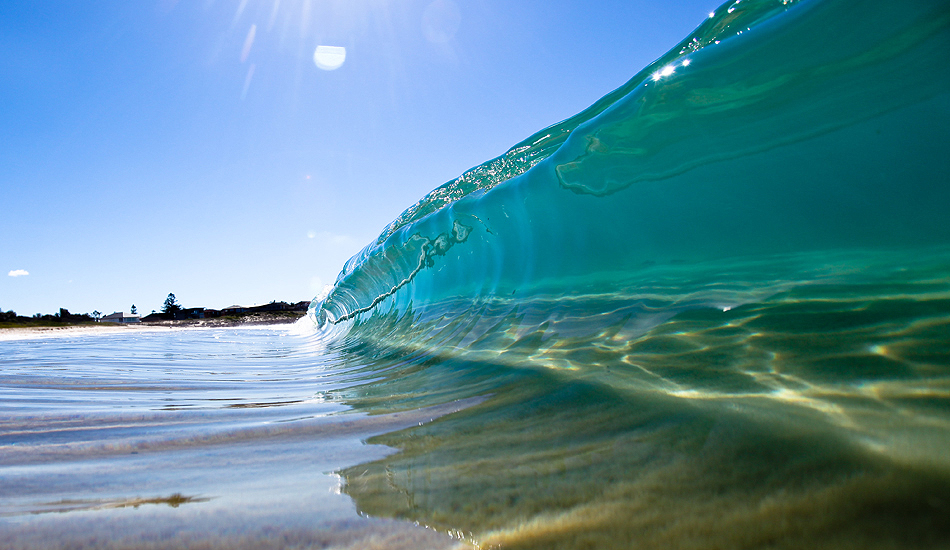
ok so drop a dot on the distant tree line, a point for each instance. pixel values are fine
(171, 310)
(62, 318)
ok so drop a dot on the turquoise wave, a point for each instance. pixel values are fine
(782, 143)
(711, 310)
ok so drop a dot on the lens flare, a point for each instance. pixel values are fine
(329, 58)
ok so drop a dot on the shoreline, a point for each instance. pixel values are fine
(254, 320)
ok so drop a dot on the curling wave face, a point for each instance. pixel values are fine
(777, 133)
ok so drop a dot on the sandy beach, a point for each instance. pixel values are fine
(32, 332)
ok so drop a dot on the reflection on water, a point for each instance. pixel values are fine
(66, 505)
(194, 438)
(809, 409)
(819, 417)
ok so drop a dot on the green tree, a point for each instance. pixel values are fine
(134, 311)
(171, 304)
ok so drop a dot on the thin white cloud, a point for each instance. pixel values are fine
(332, 239)
(18, 273)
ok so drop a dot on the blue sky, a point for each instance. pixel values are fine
(195, 147)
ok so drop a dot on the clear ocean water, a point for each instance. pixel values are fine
(710, 311)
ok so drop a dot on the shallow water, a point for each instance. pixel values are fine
(185, 438)
(816, 416)
(712, 310)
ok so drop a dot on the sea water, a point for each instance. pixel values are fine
(178, 438)
(711, 310)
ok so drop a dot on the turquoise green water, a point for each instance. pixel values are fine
(817, 416)
(820, 126)
(710, 311)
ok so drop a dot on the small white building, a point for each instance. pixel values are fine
(120, 317)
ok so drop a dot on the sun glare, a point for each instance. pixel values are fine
(329, 58)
